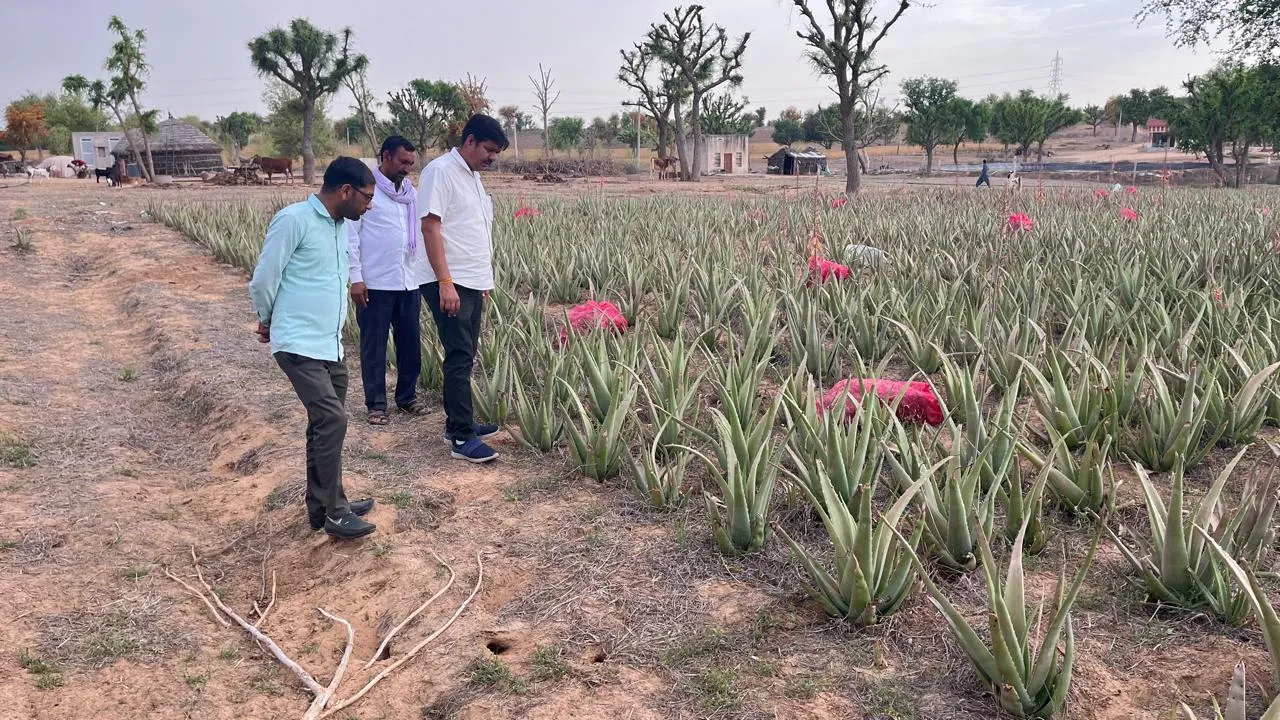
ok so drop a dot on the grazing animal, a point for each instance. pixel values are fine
(99, 173)
(666, 167)
(275, 166)
(35, 172)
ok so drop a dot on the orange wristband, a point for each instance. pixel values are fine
(445, 281)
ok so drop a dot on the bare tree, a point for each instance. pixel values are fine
(703, 60)
(542, 92)
(844, 52)
(357, 84)
(657, 95)
(473, 94)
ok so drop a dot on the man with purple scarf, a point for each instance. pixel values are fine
(388, 264)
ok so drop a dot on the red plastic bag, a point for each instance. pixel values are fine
(594, 315)
(918, 403)
(822, 270)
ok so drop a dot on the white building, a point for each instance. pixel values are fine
(727, 154)
(94, 148)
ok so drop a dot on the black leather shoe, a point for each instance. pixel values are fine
(347, 527)
(360, 507)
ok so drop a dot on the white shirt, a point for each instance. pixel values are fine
(377, 247)
(449, 189)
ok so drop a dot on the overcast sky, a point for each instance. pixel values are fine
(200, 64)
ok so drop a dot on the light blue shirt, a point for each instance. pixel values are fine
(299, 288)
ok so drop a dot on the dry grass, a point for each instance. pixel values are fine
(138, 627)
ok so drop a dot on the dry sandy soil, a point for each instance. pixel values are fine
(141, 420)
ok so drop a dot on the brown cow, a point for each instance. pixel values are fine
(666, 167)
(275, 166)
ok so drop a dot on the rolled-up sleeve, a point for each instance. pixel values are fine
(433, 192)
(283, 235)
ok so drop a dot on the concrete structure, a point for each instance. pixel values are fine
(1158, 132)
(727, 154)
(94, 148)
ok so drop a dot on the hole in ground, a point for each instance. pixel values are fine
(497, 647)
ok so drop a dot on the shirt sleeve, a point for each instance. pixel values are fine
(434, 192)
(353, 251)
(283, 236)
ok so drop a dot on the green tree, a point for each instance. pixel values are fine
(1094, 115)
(845, 50)
(129, 65)
(286, 123)
(725, 115)
(428, 113)
(976, 123)
(513, 121)
(759, 116)
(932, 115)
(237, 128)
(1134, 109)
(1251, 27)
(655, 83)
(1228, 110)
(102, 95)
(314, 64)
(702, 59)
(565, 133)
(1026, 119)
(787, 131)
(25, 124)
(627, 130)
(822, 126)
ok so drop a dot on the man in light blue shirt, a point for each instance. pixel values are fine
(299, 291)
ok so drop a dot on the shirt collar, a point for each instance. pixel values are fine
(458, 156)
(319, 207)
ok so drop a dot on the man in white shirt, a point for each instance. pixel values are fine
(388, 266)
(457, 227)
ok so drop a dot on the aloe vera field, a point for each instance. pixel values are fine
(767, 454)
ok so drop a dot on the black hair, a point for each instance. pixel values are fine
(346, 171)
(394, 143)
(484, 128)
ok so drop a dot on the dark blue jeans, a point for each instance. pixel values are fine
(459, 338)
(394, 313)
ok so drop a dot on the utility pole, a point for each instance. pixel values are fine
(635, 126)
(1055, 76)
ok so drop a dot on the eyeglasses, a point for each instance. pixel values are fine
(367, 196)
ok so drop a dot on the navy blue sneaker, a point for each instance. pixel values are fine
(472, 450)
(485, 431)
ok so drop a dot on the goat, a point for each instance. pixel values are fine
(35, 172)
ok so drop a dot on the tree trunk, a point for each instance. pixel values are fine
(1040, 151)
(853, 175)
(955, 155)
(308, 151)
(1134, 136)
(928, 161)
(1242, 164)
(1095, 131)
(132, 150)
(664, 138)
(682, 150)
(1214, 155)
(546, 139)
(699, 141)
(862, 160)
(149, 168)
(22, 153)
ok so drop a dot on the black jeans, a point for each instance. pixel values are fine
(459, 338)
(388, 310)
(983, 180)
(322, 387)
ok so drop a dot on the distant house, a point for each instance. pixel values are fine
(177, 148)
(788, 161)
(727, 154)
(94, 148)
(1158, 133)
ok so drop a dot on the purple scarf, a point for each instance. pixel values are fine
(406, 196)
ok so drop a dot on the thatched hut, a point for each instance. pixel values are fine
(177, 148)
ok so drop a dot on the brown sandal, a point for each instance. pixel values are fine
(379, 417)
(417, 407)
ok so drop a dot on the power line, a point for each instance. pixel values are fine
(1055, 76)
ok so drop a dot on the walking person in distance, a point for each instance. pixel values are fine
(299, 292)
(388, 265)
(457, 227)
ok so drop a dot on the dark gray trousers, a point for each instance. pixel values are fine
(322, 387)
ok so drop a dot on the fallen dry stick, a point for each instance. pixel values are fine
(262, 614)
(378, 653)
(221, 621)
(414, 651)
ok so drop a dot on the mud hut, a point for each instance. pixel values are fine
(177, 148)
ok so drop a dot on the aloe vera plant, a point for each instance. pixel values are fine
(745, 470)
(673, 400)
(825, 448)
(1168, 429)
(1247, 580)
(1239, 418)
(873, 575)
(1084, 484)
(598, 446)
(1027, 681)
(948, 506)
(658, 476)
(1237, 702)
(1072, 400)
(493, 392)
(1175, 566)
(538, 416)
(1024, 510)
